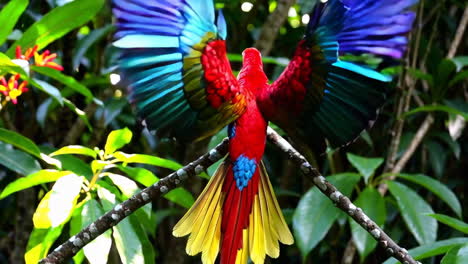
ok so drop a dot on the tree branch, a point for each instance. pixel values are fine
(341, 201)
(272, 25)
(120, 211)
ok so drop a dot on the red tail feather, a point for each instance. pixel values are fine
(236, 210)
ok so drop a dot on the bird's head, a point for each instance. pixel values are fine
(252, 57)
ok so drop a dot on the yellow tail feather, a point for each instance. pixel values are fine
(203, 220)
(267, 226)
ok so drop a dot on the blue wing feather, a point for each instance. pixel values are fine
(156, 38)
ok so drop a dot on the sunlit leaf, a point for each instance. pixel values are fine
(57, 205)
(146, 159)
(42, 176)
(48, 89)
(58, 22)
(117, 139)
(140, 175)
(315, 213)
(75, 149)
(9, 16)
(414, 210)
(40, 242)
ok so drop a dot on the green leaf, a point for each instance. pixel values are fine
(452, 222)
(432, 108)
(40, 242)
(146, 159)
(9, 16)
(126, 240)
(117, 139)
(140, 175)
(315, 213)
(181, 197)
(365, 166)
(456, 255)
(461, 62)
(40, 177)
(17, 161)
(414, 210)
(75, 149)
(459, 77)
(371, 202)
(48, 89)
(436, 187)
(97, 251)
(433, 249)
(58, 204)
(64, 79)
(20, 142)
(58, 22)
(87, 41)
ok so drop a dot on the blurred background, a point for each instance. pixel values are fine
(408, 172)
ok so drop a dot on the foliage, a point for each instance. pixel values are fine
(71, 147)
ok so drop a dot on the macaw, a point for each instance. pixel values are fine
(181, 82)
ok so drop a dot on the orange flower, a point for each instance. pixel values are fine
(11, 89)
(27, 55)
(46, 59)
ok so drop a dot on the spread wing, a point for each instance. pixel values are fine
(174, 61)
(320, 96)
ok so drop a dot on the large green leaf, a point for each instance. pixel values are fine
(40, 242)
(9, 16)
(315, 213)
(433, 249)
(147, 159)
(126, 239)
(365, 166)
(96, 251)
(20, 142)
(64, 79)
(436, 187)
(17, 161)
(40, 177)
(414, 210)
(456, 255)
(117, 139)
(181, 197)
(57, 205)
(373, 204)
(58, 22)
(452, 222)
(439, 108)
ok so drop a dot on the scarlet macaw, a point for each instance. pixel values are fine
(174, 57)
